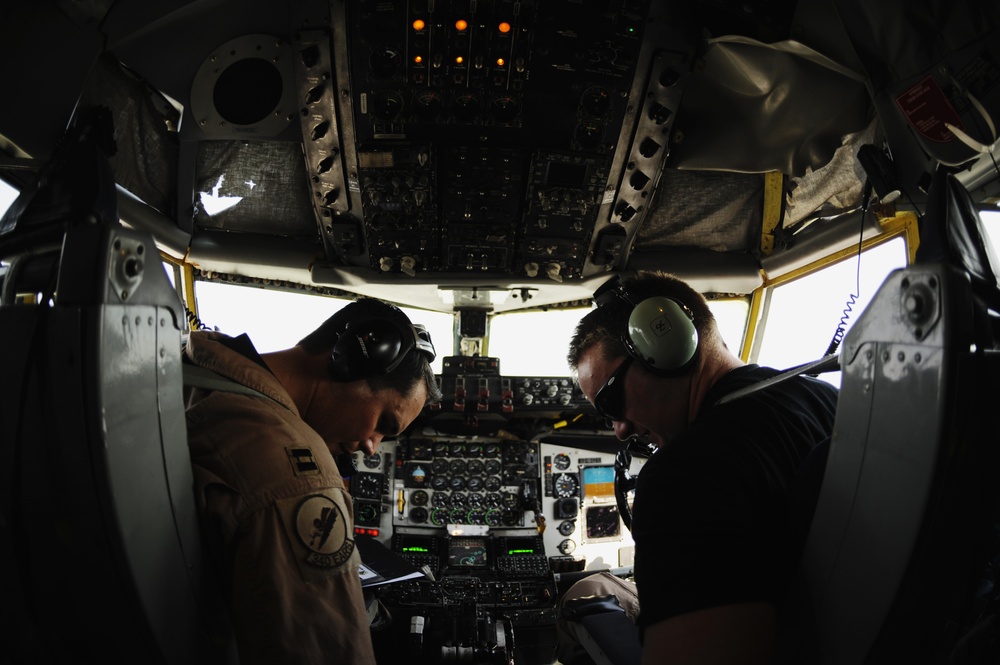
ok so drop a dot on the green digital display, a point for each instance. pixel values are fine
(415, 549)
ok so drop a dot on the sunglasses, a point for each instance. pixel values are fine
(610, 399)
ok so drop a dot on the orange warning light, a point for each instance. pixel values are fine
(418, 59)
(459, 60)
(504, 27)
(501, 62)
(461, 25)
(419, 24)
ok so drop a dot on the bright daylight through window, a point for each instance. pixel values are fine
(805, 314)
(277, 320)
(803, 317)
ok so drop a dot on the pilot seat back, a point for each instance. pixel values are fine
(898, 563)
(98, 527)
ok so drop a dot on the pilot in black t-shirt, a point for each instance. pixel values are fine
(715, 521)
(711, 517)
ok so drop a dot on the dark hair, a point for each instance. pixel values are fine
(412, 369)
(605, 326)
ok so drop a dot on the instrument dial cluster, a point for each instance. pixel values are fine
(463, 482)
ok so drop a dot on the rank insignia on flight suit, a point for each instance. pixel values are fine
(303, 462)
(321, 533)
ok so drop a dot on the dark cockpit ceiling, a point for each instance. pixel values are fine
(526, 147)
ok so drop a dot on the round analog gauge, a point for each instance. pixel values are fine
(477, 516)
(367, 513)
(511, 518)
(475, 499)
(505, 108)
(385, 61)
(439, 482)
(439, 466)
(457, 483)
(475, 449)
(475, 466)
(441, 499)
(419, 498)
(566, 485)
(567, 546)
(457, 500)
(427, 104)
(491, 449)
(562, 461)
(457, 450)
(418, 514)
(492, 484)
(370, 484)
(457, 467)
(386, 105)
(466, 105)
(458, 516)
(492, 467)
(440, 449)
(439, 516)
(494, 517)
(373, 461)
(475, 484)
(567, 527)
(596, 100)
(511, 501)
(494, 500)
(589, 134)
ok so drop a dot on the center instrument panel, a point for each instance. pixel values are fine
(493, 515)
(428, 490)
(498, 493)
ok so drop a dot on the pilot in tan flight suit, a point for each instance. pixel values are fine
(278, 522)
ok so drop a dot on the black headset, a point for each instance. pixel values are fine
(373, 339)
(659, 331)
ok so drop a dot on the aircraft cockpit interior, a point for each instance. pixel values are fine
(824, 173)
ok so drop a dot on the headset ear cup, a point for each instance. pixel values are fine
(661, 335)
(366, 348)
(340, 366)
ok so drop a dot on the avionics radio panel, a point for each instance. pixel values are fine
(494, 572)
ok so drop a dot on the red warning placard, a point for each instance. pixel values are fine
(927, 108)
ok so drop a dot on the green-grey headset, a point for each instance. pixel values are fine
(659, 331)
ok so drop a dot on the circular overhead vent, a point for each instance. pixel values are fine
(245, 88)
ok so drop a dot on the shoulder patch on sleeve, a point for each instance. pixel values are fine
(321, 533)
